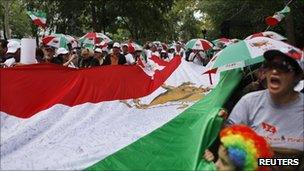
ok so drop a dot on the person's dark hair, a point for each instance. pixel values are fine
(147, 46)
(69, 46)
(3, 43)
(39, 55)
(58, 59)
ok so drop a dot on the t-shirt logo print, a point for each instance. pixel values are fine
(269, 128)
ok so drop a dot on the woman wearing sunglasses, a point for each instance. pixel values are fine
(276, 113)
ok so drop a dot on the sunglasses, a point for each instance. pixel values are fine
(283, 67)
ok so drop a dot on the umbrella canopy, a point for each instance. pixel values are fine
(102, 45)
(94, 38)
(223, 41)
(210, 69)
(73, 41)
(199, 44)
(270, 34)
(56, 40)
(132, 46)
(247, 52)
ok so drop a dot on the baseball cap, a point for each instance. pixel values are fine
(290, 53)
(117, 45)
(61, 51)
(12, 46)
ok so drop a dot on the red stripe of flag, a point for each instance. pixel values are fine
(27, 90)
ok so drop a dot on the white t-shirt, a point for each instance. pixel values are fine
(281, 125)
(129, 58)
(148, 53)
(170, 56)
(197, 57)
(156, 53)
(181, 53)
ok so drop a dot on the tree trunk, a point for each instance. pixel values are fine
(103, 17)
(7, 32)
(94, 17)
(3, 25)
(128, 27)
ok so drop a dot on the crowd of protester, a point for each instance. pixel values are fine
(112, 54)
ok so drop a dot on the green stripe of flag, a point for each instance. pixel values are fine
(285, 10)
(38, 14)
(178, 145)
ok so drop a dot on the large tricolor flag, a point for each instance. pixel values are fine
(109, 118)
(38, 18)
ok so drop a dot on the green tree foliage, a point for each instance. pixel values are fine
(143, 20)
(185, 25)
(246, 17)
(19, 22)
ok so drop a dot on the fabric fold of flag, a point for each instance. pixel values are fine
(29, 89)
(179, 144)
(65, 137)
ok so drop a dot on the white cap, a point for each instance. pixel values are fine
(13, 46)
(98, 50)
(61, 51)
(105, 49)
(117, 45)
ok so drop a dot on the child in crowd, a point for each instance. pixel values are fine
(240, 149)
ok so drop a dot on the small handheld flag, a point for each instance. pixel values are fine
(38, 18)
(277, 17)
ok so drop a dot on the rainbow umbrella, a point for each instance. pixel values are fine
(56, 40)
(199, 44)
